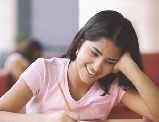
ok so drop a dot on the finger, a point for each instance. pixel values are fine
(73, 115)
(68, 119)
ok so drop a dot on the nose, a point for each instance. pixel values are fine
(97, 65)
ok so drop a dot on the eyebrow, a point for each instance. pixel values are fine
(112, 59)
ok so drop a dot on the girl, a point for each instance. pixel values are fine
(101, 68)
(22, 57)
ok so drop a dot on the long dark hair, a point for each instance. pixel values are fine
(111, 25)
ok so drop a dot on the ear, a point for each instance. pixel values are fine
(79, 45)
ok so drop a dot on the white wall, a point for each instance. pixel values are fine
(7, 24)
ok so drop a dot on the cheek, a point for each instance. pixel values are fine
(80, 62)
(107, 70)
(83, 58)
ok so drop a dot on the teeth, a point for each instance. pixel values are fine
(90, 72)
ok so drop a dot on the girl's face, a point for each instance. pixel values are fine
(96, 59)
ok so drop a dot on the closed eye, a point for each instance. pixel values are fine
(93, 53)
(110, 63)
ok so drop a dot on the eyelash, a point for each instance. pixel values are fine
(110, 63)
(95, 54)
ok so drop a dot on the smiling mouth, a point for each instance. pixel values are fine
(90, 72)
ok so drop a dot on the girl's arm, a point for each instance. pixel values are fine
(12, 102)
(144, 101)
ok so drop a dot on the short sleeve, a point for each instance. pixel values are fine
(121, 93)
(34, 75)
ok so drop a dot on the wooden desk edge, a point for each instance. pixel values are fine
(117, 120)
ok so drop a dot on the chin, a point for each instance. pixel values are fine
(87, 81)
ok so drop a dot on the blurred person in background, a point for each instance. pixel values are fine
(28, 51)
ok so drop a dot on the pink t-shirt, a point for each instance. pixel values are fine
(40, 77)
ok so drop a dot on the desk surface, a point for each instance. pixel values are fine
(118, 120)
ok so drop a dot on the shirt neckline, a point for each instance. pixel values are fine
(69, 97)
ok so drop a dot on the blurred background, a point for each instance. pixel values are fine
(55, 22)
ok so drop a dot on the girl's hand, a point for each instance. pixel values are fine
(123, 61)
(61, 116)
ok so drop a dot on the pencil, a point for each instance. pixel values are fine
(59, 86)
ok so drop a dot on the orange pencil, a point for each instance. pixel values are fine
(68, 107)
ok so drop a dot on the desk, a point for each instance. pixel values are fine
(119, 120)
